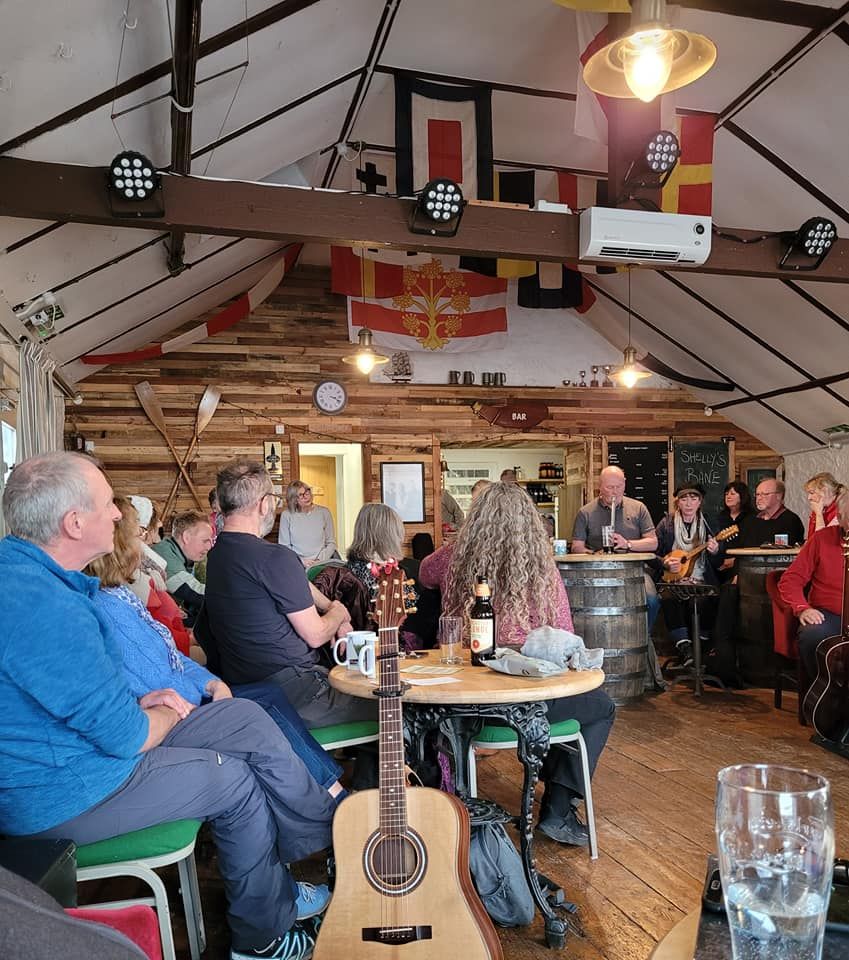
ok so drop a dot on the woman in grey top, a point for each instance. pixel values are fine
(306, 527)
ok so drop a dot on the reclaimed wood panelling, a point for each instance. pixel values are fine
(266, 367)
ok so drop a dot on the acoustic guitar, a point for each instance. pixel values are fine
(688, 557)
(826, 703)
(403, 887)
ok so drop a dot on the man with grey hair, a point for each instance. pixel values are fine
(260, 619)
(81, 758)
(190, 541)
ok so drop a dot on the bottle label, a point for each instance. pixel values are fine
(482, 635)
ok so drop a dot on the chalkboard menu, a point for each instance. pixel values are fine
(646, 471)
(708, 463)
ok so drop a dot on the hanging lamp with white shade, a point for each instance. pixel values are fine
(651, 59)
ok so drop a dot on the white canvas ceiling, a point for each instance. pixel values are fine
(319, 71)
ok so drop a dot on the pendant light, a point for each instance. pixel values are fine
(366, 358)
(629, 374)
(651, 58)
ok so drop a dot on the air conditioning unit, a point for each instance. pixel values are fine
(639, 236)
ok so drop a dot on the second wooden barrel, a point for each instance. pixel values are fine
(608, 600)
(756, 641)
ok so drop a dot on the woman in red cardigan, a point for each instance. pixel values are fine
(812, 586)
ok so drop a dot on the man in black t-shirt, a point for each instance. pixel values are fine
(261, 611)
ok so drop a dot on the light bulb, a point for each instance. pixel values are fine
(365, 362)
(647, 62)
(629, 377)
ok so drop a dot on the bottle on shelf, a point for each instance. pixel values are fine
(482, 625)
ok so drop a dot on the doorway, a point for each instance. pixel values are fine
(335, 473)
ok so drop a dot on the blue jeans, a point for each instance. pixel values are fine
(273, 700)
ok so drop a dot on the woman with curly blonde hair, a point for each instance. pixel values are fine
(503, 538)
(822, 491)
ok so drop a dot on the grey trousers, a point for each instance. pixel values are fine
(228, 763)
(317, 703)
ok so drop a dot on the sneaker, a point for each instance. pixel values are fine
(312, 900)
(684, 649)
(568, 829)
(297, 943)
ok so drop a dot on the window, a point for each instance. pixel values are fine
(462, 477)
(8, 446)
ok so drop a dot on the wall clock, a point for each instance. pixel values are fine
(330, 397)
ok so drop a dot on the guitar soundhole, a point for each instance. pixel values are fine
(393, 864)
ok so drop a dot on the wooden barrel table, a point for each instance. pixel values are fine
(607, 594)
(756, 640)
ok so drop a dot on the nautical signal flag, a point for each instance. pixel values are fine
(443, 131)
(422, 303)
(690, 187)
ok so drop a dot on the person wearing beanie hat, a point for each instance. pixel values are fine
(686, 529)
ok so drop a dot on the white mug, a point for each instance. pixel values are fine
(354, 642)
(368, 657)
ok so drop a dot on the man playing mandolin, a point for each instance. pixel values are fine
(685, 545)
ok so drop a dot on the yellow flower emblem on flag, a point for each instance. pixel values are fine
(429, 293)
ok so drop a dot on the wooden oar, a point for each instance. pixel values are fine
(206, 410)
(150, 405)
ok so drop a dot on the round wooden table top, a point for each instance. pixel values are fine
(596, 557)
(764, 551)
(680, 942)
(476, 684)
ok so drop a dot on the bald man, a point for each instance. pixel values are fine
(633, 528)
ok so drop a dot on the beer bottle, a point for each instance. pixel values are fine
(482, 625)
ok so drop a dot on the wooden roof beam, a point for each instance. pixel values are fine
(78, 194)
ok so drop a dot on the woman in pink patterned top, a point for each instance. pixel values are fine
(503, 539)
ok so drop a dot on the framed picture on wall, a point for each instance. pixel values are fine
(402, 487)
(272, 458)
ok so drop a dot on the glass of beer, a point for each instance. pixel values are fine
(775, 832)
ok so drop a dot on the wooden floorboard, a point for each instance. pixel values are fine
(654, 796)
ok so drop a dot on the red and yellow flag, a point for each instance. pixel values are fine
(690, 188)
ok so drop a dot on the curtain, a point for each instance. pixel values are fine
(41, 411)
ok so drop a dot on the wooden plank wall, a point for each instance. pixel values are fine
(266, 367)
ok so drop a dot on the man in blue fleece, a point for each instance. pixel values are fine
(81, 758)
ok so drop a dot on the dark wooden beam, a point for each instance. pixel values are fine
(775, 11)
(235, 34)
(53, 191)
(186, 44)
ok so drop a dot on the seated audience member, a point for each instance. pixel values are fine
(503, 537)
(822, 491)
(773, 518)
(216, 519)
(89, 761)
(479, 488)
(260, 614)
(686, 529)
(378, 537)
(507, 476)
(149, 519)
(305, 527)
(151, 661)
(431, 574)
(812, 586)
(452, 513)
(738, 511)
(189, 543)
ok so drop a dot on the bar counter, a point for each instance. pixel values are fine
(607, 594)
(755, 655)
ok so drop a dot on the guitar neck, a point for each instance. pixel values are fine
(392, 780)
(845, 542)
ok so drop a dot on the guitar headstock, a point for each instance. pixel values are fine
(392, 604)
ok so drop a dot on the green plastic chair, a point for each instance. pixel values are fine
(138, 854)
(566, 733)
(346, 734)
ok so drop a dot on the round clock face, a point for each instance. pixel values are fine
(330, 397)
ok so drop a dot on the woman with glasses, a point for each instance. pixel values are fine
(686, 529)
(307, 528)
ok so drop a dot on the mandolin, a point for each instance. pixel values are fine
(403, 888)
(826, 703)
(688, 557)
